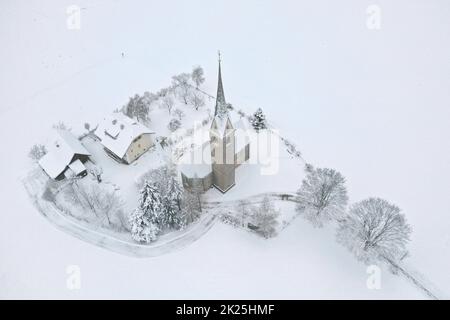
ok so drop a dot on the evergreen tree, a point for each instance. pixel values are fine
(190, 206)
(258, 120)
(171, 206)
(142, 230)
(145, 219)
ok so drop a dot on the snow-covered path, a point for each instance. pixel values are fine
(165, 244)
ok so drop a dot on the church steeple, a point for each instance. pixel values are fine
(221, 105)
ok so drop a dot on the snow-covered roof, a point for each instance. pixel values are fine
(117, 132)
(61, 153)
(77, 167)
(197, 163)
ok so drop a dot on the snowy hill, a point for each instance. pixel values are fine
(372, 104)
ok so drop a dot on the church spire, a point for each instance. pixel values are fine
(221, 105)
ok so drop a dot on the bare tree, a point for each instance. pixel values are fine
(163, 141)
(322, 196)
(174, 124)
(179, 113)
(198, 76)
(167, 102)
(37, 152)
(108, 203)
(196, 100)
(182, 86)
(61, 126)
(97, 173)
(244, 211)
(374, 229)
(106, 206)
(265, 219)
(138, 107)
(150, 98)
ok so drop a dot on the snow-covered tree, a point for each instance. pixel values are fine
(138, 107)
(174, 124)
(97, 173)
(101, 204)
(179, 113)
(142, 229)
(196, 99)
(145, 219)
(374, 230)
(241, 113)
(149, 98)
(108, 204)
(190, 206)
(164, 180)
(244, 211)
(163, 141)
(258, 120)
(171, 217)
(265, 218)
(61, 126)
(167, 102)
(37, 152)
(198, 76)
(150, 201)
(181, 84)
(322, 196)
(51, 187)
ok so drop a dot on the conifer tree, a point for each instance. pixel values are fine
(258, 120)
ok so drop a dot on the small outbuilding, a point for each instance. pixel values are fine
(66, 153)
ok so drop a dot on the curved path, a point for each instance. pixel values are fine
(165, 244)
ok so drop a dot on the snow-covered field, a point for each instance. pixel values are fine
(372, 104)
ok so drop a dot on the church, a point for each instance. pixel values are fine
(214, 163)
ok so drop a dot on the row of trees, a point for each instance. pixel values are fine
(184, 87)
(372, 229)
(163, 205)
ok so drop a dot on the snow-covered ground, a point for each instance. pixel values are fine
(372, 104)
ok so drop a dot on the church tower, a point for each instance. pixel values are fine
(222, 142)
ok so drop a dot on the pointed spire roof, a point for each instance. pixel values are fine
(221, 104)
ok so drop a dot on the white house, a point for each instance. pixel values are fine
(123, 138)
(66, 156)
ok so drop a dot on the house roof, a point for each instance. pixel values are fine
(61, 153)
(117, 132)
(77, 167)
